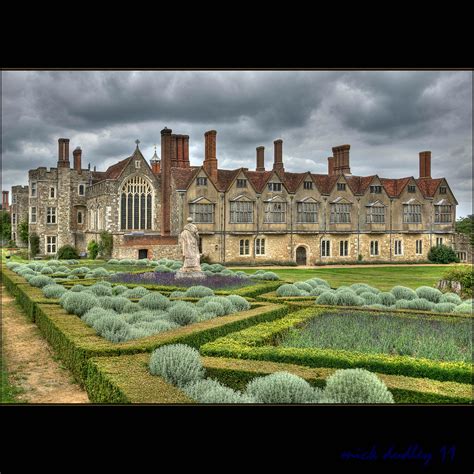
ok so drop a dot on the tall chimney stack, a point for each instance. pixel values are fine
(341, 159)
(278, 155)
(165, 181)
(77, 154)
(210, 157)
(260, 158)
(186, 151)
(425, 164)
(63, 153)
(5, 205)
(331, 165)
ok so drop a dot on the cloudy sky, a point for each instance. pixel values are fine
(387, 117)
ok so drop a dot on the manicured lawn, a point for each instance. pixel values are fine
(430, 338)
(383, 278)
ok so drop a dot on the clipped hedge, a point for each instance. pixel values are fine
(253, 343)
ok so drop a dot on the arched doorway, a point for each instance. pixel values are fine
(301, 256)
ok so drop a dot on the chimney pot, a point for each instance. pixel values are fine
(341, 159)
(278, 155)
(425, 164)
(77, 154)
(330, 165)
(63, 153)
(210, 154)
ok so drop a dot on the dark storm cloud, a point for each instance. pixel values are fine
(387, 117)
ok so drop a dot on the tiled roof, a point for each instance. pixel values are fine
(183, 176)
(428, 186)
(394, 187)
(293, 180)
(258, 179)
(225, 178)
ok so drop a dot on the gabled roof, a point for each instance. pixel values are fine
(114, 171)
(428, 186)
(292, 181)
(359, 184)
(258, 179)
(225, 178)
(394, 187)
(184, 176)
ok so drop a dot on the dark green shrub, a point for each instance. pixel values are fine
(34, 244)
(67, 252)
(93, 249)
(442, 254)
(463, 274)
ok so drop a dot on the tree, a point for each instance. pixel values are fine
(6, 227)
(106, 244)
(23, 231)
(67, 252)
(93, 249)
(34, 244)
(465, 225)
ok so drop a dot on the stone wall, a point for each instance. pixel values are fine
(19, 208)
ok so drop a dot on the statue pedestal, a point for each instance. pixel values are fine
(195, 275)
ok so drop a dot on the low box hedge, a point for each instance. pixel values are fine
(236, 373)
(255, 343)
(75, 342)
(126, 379)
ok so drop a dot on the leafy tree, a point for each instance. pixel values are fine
(442, 254)
(106, 244)
(6, 228)
(93, 249)
(465, 225)
(34, 244)
(23, 231)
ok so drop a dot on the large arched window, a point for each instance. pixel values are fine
(135, 204)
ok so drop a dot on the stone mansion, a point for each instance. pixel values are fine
(243, 215)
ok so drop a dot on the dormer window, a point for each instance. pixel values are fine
(411, 189)
(308, 185)
(201, 181)
(274, 186)
(376, 189)
(341, 186)
(241, 183)
(442, 189)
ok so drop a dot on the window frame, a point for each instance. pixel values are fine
(438, 214)
(197, 213)
(343, 248)
(335, 211)
(201, 181)
(341, 187)
(49, 245)
(397, 247)
(325, 248)
(374, 248)
(301, 211)
(244, 247)
(34, 187)
(51, 215)
(270, 214)
(259, 245)
(79, 186)
(33, 214)
(370, 215)
(308, 185)
(274, 187)
(241, 183)
(236, 214)
(419, 247)
(409, 213)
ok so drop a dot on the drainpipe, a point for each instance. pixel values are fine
(391, 228)
(223, 227)
(291, 227)
(358, 228)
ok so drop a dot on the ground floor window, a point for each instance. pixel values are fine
(374, 248)
(51, 243)
(344, 248)
(244, 247)
(398, 247)
(419, 247)
(462, 256)
(259, 246)
(79, 217)
(325, 248)
(439, 241)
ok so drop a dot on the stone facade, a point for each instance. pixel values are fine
(242, 215)
(19, 212)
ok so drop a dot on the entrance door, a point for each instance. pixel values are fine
(143, 253)
(301, 256)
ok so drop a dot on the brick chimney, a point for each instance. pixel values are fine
(182, 151)
(77, 154)
(186, 151)
(278, 155)
(260, 158)
(5, 205)
(63, 153)
(331, 165)
(341, 159)
(165, 181)
(425, 164)
(210, 158)
(174, 151)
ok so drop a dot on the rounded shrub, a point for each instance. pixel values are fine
(78, 288)
(239, 303)
(119, 289)
(156, 326)
(113, 328)
(328, 298)
(402, 304)
(178, 364)
(137, 292)
(40, 281)
(99, 271)
(444, 307)
(421, 304)
(67, 252)
(78, 303)
(377, 306)
(348, 298)
(211, 391)
(403, 293)
(280, 387)
(154, 300)
(46, 271)
(140, 316)
(270, 276)
(318, 282)
(199, 291)
(450, 298)
(72, 277)
(104, 283)
(211, 310)
(428, 293)
(183, 313)
(53, 290)
(356, 386)
(318, 290)
(344, 288)
(463, 308)
(131, 307)
(288, 289)
(369, 298)
(386, 298)
(442, 254)
(225, 302)
(101, 290)
(113, 261)
(162, 269)
(301, 285)
(93, 314)
(216, 267)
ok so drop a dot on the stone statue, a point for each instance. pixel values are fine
(189, 243)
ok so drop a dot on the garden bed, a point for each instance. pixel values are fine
(256, 343)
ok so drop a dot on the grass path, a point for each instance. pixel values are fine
(382, 277)
(35, 374)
